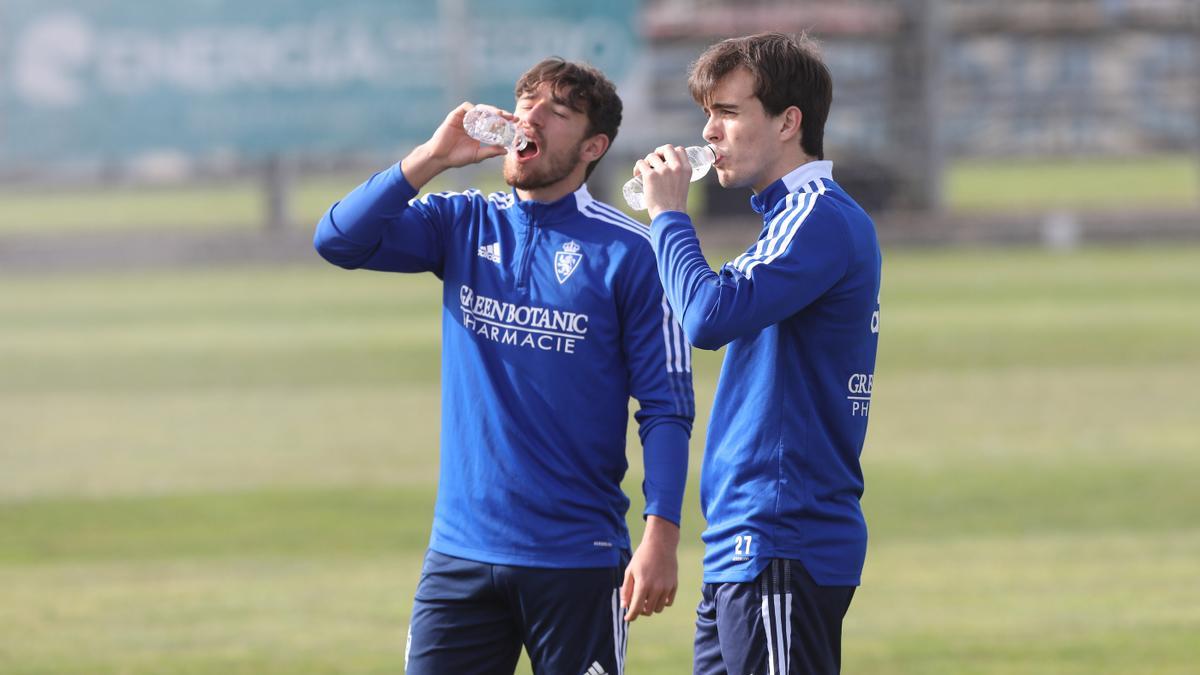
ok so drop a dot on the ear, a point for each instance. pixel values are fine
(789, 121)
(593, 148)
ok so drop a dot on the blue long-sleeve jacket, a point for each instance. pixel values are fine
(552, 318)
(799, 311)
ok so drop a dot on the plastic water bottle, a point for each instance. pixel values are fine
(487, 126)
(701, 158)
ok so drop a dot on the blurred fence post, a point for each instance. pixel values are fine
(914, 101)
(1195, 18)
(453, 22)
(277, 191)
(927, 146)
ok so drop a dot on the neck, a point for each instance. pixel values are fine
(554, 191)
(785, 164)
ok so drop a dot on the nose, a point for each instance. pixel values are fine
(712, 130)
(536, 114)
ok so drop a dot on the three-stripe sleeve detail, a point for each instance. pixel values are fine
(781, 230)
(678, 360)
(679, 357)
(677, 349)
(616, 218)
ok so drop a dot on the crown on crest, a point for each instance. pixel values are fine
(571, 247)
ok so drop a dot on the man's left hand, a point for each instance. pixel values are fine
(652, 576)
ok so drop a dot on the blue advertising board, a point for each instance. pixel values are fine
(110, 81)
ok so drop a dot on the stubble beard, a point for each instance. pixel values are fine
(554, 169)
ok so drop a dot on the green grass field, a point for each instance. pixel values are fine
(232, 470)
(1072, 183)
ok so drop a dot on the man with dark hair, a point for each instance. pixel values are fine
(553, 317)
(799, 311)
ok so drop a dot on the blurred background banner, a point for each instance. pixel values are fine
(924, 84)
(114, 82)
(953, 120)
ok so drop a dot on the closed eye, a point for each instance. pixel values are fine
(721, 111)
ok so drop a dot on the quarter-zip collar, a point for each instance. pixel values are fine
(803, 178)
(547, 213)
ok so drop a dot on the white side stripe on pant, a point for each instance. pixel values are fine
(777, 616)
(620, 632)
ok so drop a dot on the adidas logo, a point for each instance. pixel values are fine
(596, 669)
(490, 251)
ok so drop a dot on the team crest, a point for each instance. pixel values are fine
(566, 261)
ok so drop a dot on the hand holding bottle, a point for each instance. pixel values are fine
(661, 179)
(449, 147)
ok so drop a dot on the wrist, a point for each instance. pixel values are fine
(420, 166)
(656, 211)
(665, 218)
(660, 531)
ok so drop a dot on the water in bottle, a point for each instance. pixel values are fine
(701, 158)
(487, 126)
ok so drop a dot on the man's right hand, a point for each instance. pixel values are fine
(665, 174)
(449, 147)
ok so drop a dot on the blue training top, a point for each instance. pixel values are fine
(800, 312)
(552, 317)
